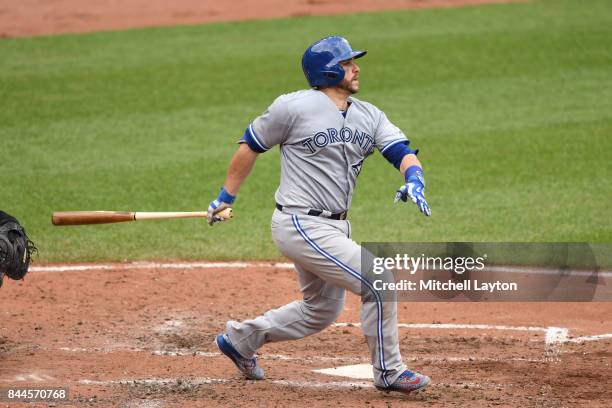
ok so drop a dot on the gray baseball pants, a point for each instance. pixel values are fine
(327, 262)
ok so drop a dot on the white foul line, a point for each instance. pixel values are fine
(280, 265)
(160, 265)
(32, 377)
(589, 338)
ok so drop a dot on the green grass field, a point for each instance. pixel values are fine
(511, 106)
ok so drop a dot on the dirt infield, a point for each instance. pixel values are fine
(34, 17)
(141, 335)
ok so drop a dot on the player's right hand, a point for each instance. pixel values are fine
(415, 189)
(224, 200)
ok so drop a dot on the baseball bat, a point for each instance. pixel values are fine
(105, 217)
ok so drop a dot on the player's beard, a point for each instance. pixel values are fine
(351, 86)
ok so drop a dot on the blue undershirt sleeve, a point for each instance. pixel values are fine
(251, 139)
(396, 152)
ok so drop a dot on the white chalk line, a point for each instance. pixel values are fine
(160, 265)
(103, 350)
(29, 377)
(589, 338)
(166, 382)
(278, 265)
(146, 404)
(303, 359)
(156, 381)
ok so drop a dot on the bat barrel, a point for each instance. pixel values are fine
(90, 217)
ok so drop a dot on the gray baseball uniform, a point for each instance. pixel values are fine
(322, 152)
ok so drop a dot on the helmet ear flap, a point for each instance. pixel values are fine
(334, 75)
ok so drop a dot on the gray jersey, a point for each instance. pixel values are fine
(321, 151)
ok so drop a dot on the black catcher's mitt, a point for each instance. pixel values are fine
(16, 249)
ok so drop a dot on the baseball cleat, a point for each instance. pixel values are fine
(247, 366)
(407, 382)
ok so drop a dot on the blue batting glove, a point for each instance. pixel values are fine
(414, 188)
(224, 200)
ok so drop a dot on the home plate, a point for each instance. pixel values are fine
(357, 371)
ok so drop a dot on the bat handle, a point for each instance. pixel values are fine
(146, 215)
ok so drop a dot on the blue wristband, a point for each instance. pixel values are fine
(413, 172)
(225, 197)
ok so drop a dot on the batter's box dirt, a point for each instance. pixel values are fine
(5, 345)
(179, 388)
(436, 344)
(488, 349)
(187, 342)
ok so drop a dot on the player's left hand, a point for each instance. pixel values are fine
(415, 189)
(224, 200)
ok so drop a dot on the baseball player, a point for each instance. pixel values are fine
(324, 135)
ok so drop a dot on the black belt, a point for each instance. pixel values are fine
(319, 213)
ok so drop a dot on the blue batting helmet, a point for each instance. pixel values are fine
(321, 61)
